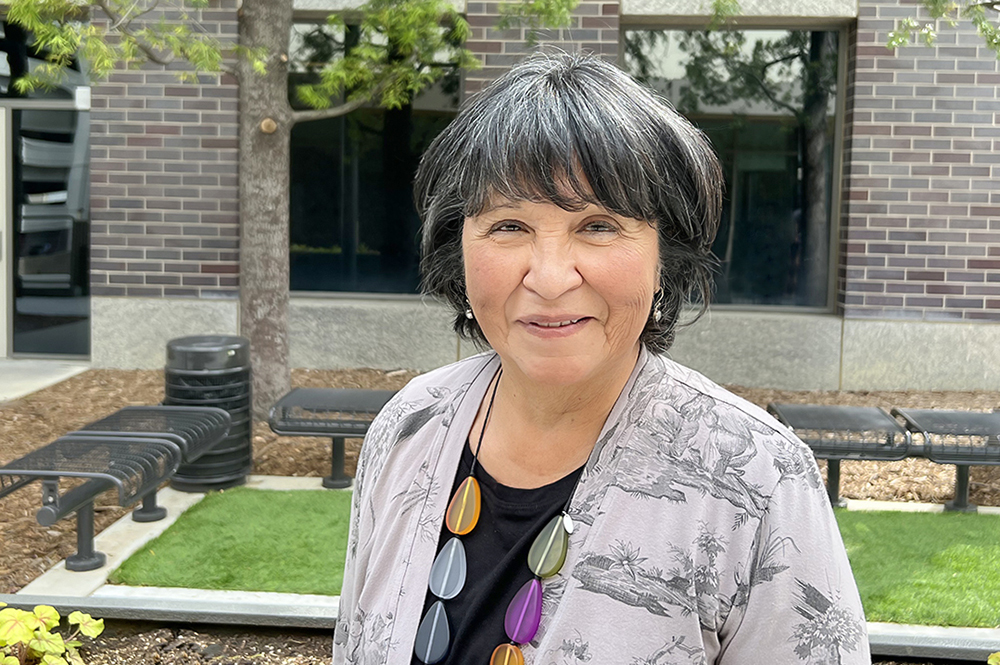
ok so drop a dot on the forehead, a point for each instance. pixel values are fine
(528, 208)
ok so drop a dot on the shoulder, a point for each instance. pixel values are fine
(714, 421)
(420, 401)
(434, 392)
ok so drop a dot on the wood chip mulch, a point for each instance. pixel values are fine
(28, 549)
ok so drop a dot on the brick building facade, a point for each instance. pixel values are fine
(164, 199)
(920, 223)
(915, 278)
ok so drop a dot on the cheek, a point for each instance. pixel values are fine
(629, 283)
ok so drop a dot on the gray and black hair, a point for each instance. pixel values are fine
(573, 130)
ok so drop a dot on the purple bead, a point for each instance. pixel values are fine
(524, 613)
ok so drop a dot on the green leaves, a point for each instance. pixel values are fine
(87, 625)
(981, 14)
(114, 33)
(27, 637)
(17, 626)
(399, 48)
(535, 15)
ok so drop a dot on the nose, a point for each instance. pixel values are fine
(552, 270)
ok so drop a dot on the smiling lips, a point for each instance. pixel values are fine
(557, 324)
(548, 327)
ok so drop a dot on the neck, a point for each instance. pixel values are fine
(538, 433)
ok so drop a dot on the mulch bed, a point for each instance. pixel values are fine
(28, 549)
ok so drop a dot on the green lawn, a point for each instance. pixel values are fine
(919, 568)
(250, 540)
(926, 568)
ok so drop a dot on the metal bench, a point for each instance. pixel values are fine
(334, 412)
(962, 438)
(836, 433)
(132, 450)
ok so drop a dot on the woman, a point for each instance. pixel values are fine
(571, 495)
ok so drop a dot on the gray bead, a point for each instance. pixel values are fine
(433, 635)
(449, 570)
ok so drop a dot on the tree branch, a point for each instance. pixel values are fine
(333, 112)
(123, 29)
(790, 56)
(767, 93)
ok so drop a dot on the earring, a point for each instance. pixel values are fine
(657, 304)
(468, 310)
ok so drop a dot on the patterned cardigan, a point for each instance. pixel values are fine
(703, 532)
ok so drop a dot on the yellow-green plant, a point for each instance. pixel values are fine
(994, 659)
(27, 638)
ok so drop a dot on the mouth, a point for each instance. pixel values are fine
(556, 324)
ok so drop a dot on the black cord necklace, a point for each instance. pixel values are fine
(448, 573)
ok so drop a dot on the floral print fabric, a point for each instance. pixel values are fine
(703, 532)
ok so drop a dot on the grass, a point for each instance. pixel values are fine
(250, 540)
(926, 568)
(917, 568)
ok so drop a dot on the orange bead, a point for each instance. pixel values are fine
(507, 654)
(463, 511)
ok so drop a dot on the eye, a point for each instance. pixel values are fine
(507, 226)
(600, 226)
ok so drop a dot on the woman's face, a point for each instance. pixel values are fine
(561, 295)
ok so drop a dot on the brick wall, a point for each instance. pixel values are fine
(594, 29)
(920, 220)
(163, 179)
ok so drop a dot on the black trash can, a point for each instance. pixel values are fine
(213, 370)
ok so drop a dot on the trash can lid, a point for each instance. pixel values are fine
(208, 352)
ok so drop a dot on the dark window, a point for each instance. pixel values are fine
(767, 100)
(353, 224)
(50, 191)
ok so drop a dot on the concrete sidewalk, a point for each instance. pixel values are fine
(22, 376)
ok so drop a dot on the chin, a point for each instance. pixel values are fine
(559, 372)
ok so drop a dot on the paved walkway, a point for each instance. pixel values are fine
(22, 376)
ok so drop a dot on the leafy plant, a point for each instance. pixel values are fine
(994, 659)
(27, 638)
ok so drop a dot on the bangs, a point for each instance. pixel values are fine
(546, 146)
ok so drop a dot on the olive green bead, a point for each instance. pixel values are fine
(548, 553)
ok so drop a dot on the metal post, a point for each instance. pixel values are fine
(833, 483)
(85, 558)
(337, 479)
(149, 511)
(961, 502)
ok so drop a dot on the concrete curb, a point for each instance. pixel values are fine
(891, 639)
(284, 610)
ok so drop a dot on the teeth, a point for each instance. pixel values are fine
(560, 324)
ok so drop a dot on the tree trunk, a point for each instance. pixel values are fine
(816, 228)
(265, 130)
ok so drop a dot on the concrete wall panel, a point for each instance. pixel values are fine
(384, 334)
(901, 355)
(132, 333)
(787, 351)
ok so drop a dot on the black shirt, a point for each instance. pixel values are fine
(497, 554)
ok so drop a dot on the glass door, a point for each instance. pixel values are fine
(51, 212)
(45, 202)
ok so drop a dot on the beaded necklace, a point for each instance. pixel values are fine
(447, 579)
